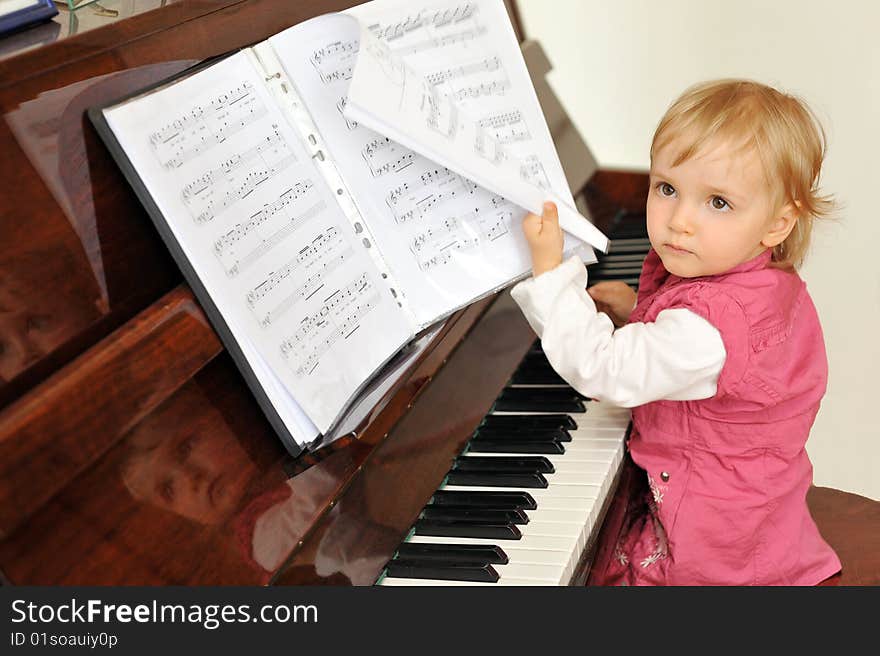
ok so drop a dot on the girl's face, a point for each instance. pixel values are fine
(711, 212)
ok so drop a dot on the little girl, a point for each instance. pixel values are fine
(722, 356)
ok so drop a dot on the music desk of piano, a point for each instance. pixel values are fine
(131, 450)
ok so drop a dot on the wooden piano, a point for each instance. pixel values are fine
(130, 447)
(132, 451)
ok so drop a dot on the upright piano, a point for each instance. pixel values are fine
(130, 447)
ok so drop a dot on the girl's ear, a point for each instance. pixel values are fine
(782, 225)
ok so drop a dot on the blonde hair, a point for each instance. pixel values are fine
(781, 128)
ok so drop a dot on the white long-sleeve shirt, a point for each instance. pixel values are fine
(677, 357)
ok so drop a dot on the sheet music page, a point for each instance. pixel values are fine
(447, 240)
(447, 78)
(262, 230)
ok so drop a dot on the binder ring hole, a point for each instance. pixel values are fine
(366, 242)
(312, 139)
(319, 155)
(358, 228)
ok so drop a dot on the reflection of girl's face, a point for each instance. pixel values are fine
(199, 472)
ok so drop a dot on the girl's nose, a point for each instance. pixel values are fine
(680, 221)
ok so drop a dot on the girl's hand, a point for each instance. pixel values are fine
(545, 239)
(614, 298)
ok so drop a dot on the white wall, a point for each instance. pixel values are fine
(618, 65)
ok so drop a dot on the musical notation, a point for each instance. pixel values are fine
(438, 18)
(237, 177)
(340, 105)
(440, 114)
(339, 317)
(335, 61)
(482, 66)
(385, 156)
(506, 127)
(412, 200)
(326, 244)
(205, 126)
(307, 270)
(493, 88)
(248, 241)
(532, 171)
(437, 244)
(311, 286)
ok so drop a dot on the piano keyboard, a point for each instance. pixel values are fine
(523, 500)
(628, 246)
(520, 504)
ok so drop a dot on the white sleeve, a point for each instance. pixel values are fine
(677, 357)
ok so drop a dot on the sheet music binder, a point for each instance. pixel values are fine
(388, 275)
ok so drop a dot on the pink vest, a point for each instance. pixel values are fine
(729, 475)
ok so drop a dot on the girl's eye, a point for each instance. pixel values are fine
(719, 203)
(666, 189)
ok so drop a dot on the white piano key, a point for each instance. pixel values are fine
(542, 542)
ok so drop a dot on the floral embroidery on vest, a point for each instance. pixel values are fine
(661, 548)
(657, 491)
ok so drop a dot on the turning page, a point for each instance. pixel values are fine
(448, 79)
(256, 221)
(446, 240)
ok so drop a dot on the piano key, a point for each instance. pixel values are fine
(553, 493)
(629, 246)
(466, 529)
(537, 376)
(558, 550)
(499, 479)
(546, 573)
(454, 552)
(453, 513)
(539, 464)
(487, 446)
(531, 542)
(520, 420)
(484, 499)
(414, 569)
(533, 393)
(526, 434)
(394, 582)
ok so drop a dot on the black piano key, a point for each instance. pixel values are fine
(573, 406)
(450, 553)
(628, 258)
(629, 246)
(523, 435)
(515, 422)
(534, 360)
(496, 479)
(414, 569)
(466, 529)
(488, 516)
(485, 499)
(544, 393)
(536, 376)
(521, 464)
(506, 446)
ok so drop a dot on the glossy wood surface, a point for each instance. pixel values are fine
(132, 452)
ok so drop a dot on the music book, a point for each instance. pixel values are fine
(333, 192)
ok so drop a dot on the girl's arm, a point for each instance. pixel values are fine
(679, 356)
